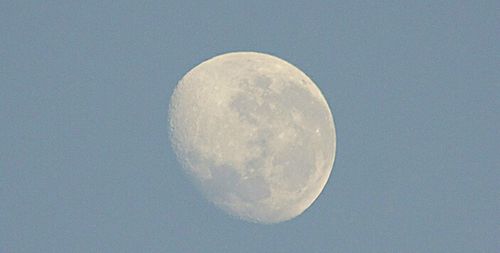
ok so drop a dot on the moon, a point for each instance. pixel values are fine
(255, 134)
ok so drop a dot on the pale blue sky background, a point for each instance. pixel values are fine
(85, 162)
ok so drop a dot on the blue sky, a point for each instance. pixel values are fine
(86, 164)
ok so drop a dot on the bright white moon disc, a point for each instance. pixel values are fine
(255, 134)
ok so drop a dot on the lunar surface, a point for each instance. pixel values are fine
(255, 134)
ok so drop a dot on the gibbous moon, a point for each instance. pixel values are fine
(255, 134)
